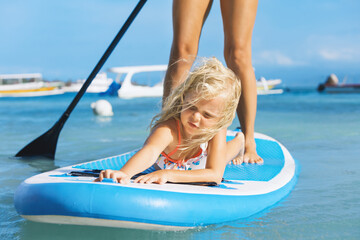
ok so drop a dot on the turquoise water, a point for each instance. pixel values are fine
(321, 131)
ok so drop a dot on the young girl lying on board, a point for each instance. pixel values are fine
(190, 132)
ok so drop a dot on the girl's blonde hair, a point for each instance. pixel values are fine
(207, 81)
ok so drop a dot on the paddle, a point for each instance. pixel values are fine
(45, 145)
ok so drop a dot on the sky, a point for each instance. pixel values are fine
(300, 42)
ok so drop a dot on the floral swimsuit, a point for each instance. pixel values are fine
(197, 162)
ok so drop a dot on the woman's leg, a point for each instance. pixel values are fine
(235, 149)
(188, 19)
(238, 20)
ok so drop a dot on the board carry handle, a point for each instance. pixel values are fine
(45, 145)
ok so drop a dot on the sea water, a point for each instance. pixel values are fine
(321, 131)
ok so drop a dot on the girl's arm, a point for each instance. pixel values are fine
(215, 166)
(158, 140)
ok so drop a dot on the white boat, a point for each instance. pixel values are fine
(100, 84)
(265, 87)
(131, 89)
(26, 85)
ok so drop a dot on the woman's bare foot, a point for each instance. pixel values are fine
(239, 159)
(250, 155)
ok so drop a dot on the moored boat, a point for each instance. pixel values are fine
(332, 85)
(131, 89)
(99, 84)
(265, 87)
(26, 85)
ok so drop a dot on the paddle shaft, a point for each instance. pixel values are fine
(103, 59)
(45, 145)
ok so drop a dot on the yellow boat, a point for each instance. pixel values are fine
(26, 85)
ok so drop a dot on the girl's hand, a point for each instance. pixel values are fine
(117, 176)
(159, 177)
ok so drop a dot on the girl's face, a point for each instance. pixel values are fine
(201, 115)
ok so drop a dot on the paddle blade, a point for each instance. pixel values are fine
(44, 146)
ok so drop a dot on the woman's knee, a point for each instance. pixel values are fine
(238, 56)
(184, 50)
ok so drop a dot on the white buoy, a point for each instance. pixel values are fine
(102, 108)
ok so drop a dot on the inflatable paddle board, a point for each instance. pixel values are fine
(68, 195)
